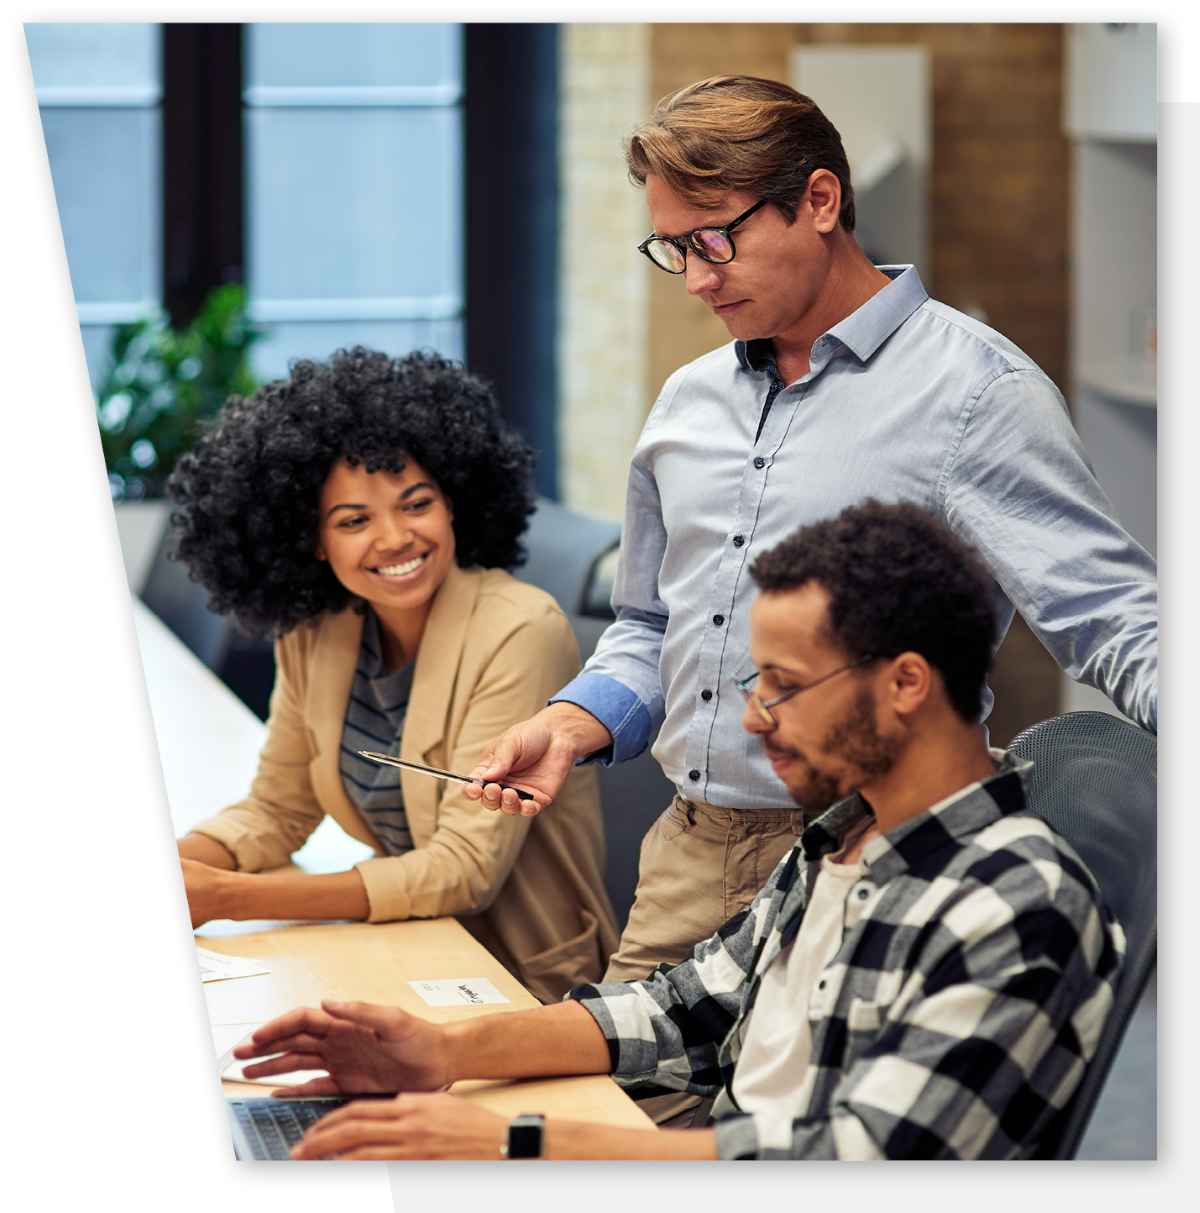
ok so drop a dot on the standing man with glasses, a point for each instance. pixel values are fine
(844, 382)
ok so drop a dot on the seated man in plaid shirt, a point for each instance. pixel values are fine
(925, 975)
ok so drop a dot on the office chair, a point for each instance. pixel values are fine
(246, 666)
(565, 550)
(1095, 783)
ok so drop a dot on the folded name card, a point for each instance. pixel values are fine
(457, 991)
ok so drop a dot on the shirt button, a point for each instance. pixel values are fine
(718, 620)
(821, 984)
(738, 540)
(863, 894)
(693, 774)
(706, 695)
(759, 462)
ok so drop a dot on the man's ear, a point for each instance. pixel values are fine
(910, 681)
(824, 194)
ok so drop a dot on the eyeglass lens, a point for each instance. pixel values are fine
(749, 690)
(709, 242)
(666, 255)
(712, 243)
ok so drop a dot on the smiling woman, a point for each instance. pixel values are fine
(363, 512)
(389, 538)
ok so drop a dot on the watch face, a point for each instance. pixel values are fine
(525, 1138)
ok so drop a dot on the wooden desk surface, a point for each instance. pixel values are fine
(375, 962)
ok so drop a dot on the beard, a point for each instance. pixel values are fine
(857, 744)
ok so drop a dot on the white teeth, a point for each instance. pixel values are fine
(398, 570)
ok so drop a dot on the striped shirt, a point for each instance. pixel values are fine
(976, 970)
(374, 721)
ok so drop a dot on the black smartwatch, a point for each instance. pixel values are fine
(525, 1137)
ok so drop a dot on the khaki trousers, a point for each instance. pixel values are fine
(700, 865)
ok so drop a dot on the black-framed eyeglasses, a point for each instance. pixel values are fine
(713, 244)
(763, 706)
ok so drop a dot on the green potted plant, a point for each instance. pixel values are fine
(164, 384)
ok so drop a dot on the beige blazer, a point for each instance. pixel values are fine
(530, 889)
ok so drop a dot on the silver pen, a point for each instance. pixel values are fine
(388, 760)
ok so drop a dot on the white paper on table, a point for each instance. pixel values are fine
(229, 1067)
(457, 991)
(216, 967)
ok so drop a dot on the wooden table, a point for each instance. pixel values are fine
(209, 741)
(375, 962)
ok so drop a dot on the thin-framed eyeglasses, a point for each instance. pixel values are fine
(713, 244)
(764, 706)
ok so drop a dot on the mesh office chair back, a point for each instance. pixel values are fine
(1095, 782)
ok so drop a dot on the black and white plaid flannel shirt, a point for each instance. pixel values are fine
(976, 971)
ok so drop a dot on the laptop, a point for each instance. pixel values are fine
(265, 1130)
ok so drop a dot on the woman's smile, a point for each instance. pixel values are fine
(401, 571)
(389, 538)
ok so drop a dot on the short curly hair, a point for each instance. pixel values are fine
(899, 581)
(246, 526)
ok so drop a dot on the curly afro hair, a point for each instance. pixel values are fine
(247, 494)
(898, 581)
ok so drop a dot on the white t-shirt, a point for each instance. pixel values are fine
(777, 1042)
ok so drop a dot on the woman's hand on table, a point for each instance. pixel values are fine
(367, 1050)
(207, 890)
(409, 1126)
(206, 863)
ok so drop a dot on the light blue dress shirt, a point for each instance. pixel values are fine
(905, 400)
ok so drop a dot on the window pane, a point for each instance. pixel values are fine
(104, 163)
(99, 86)
(350, 203)
(362, 55)
(353, 188)
(87, 55)
(319, 339)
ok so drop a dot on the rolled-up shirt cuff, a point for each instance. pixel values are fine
(617, 708)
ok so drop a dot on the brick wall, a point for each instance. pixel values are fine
(999, 185)
(603, 335)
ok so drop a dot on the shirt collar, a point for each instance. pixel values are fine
(864, 330)
(957, 817)
(755, 355)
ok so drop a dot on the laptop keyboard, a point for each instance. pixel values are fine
(272, 1126)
